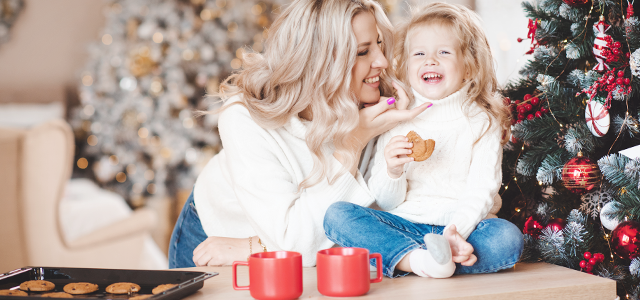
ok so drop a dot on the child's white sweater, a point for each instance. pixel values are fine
(458, 183)
(251, 187)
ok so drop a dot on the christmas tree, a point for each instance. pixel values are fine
(137, 130)
(571, 174)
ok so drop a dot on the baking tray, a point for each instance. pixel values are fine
(187, 282)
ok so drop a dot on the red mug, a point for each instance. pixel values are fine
(272, 275)
(344, 272)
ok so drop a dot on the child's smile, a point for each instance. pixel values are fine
(435, 65)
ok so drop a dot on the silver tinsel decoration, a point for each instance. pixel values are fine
(634, 63)
(634, 267)
(593, 201)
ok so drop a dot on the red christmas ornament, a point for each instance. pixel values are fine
(532, 227)
(625, 240)
(575, 3)
(601, 44)
(580, 174)
(629, 10)
(533, 26)
(556, 224)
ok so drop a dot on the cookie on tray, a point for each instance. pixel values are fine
(57, 295)
(140, 297)
(161, 288)
(80, 288)
(37, 286)
(13, 293)
(123, 288)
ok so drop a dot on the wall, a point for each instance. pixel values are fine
(47, 48)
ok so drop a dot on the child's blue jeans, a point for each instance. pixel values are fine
(496, 242)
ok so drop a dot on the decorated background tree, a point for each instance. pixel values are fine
(136, 129)
(571, 174)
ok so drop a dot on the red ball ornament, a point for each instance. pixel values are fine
(530, 117)
(627, 81)
(583, 264)
(587, 255)
(526, 97)
(532, 227)
(580, 174)
(625, 240)
(538, 114)
(528, 107)
(620, 73)
(557, 224)
(575, 3)
(620, 81)
(593, 261)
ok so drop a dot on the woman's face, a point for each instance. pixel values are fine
(365, 76)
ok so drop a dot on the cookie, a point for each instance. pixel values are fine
(37, 286)
(161, 288)
(421, 149)
(13, 293)
(57, 295)
(123, 288)
(140, 297)
(79, 288)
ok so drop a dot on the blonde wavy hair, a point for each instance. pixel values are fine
(476, 52)
(307, 63)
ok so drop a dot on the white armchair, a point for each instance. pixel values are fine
(35, 166)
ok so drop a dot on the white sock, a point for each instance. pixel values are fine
(434, 262)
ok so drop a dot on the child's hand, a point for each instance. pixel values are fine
(395, 154)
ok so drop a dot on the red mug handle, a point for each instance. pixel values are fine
(235, 277)
(378, 258)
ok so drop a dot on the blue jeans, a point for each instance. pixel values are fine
(186, 236)
(496, 242)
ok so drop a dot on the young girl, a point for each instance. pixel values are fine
(440, 211)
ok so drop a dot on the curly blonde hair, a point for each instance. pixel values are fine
(309, 53)
(476, 55)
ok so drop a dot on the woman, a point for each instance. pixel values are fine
(293, 134)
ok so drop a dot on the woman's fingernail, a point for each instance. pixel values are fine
(430, 104)
(391, 100)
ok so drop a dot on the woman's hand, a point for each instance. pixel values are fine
(395, 154)
(219, 251)
(378, 118)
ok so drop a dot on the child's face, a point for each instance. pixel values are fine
(365, 75)
(435, 66)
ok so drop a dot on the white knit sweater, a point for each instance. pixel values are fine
(250, 187)
(458, 183)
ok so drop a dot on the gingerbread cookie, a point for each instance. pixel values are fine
(140, 297)
(421, 149)
(37, 286)
(13, 293)
(57, 295)
(161, 288)
(80, 288)
(123, 288)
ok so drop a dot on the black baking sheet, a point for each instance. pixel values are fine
(188, 282)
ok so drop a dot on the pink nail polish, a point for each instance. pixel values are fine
(430, 104)
(391, 100)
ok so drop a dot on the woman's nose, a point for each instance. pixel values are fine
(380, 61)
